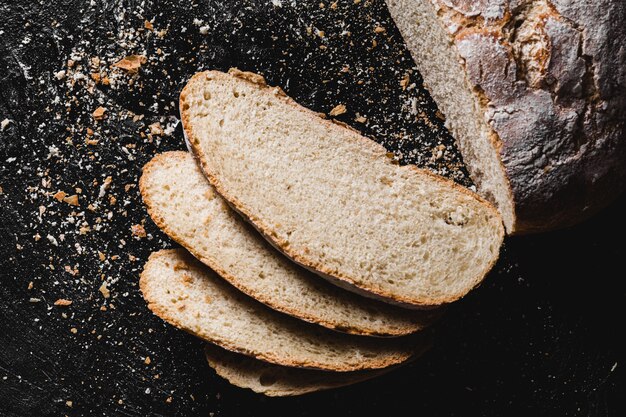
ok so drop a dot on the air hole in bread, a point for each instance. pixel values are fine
(185, 106)
(236, 93)
(221, 122)
(207, 95)
(268, 378)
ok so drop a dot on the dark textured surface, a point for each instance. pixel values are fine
(540, 337)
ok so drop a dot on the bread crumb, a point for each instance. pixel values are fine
(74, 330)
(4, 124)
(71, 200)
(98, 114)
(404, 82)
(338, 110)
(147, 361)
(156, 129)
(31, 285)
(69, 403)
(138, 231)
(62, 302)
(131, 63)
(60, 195)
(104, 290)
(379, 29)
(148, 25)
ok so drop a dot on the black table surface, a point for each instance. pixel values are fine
(541, 336)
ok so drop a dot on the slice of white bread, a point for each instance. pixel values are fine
(276, 380)
(186, 207)
(187, 294)
(332, 200)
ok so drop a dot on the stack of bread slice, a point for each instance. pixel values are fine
(311, 259)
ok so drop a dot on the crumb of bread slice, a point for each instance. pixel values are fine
(332, 200)
(187, 294)
(185, 206)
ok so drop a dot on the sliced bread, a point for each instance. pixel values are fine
(190, 296)
(186, 207)
(332, 200)
(534, 94)
(276, 380)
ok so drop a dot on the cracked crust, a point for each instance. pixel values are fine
(550, 78)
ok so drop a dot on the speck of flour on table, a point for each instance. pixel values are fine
(102, 100)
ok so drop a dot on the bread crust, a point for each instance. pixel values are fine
(249, 373)
(318, 267)
(155, 164)
(377, 362)
(550, 79)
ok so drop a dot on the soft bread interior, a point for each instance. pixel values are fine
(182, 203)
(188, 295)
(442, 68)
(331, 199)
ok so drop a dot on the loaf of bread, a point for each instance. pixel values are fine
(185, 206)
(190, 296)
(535, 94)
(332, 200)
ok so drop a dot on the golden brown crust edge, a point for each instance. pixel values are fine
(374, 363)
(333, 325)
(260, 225)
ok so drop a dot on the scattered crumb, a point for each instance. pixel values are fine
(71, 200)
(404, 82)
(104, 290)
(338, 110)
(138, 231)
(98, 114)
(62, 302)
(131, 63)
(60, 195)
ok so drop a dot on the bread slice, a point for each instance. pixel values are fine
(276, 380)
(533, 92)
(187, 294)
(332, 200)
(185, 206)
